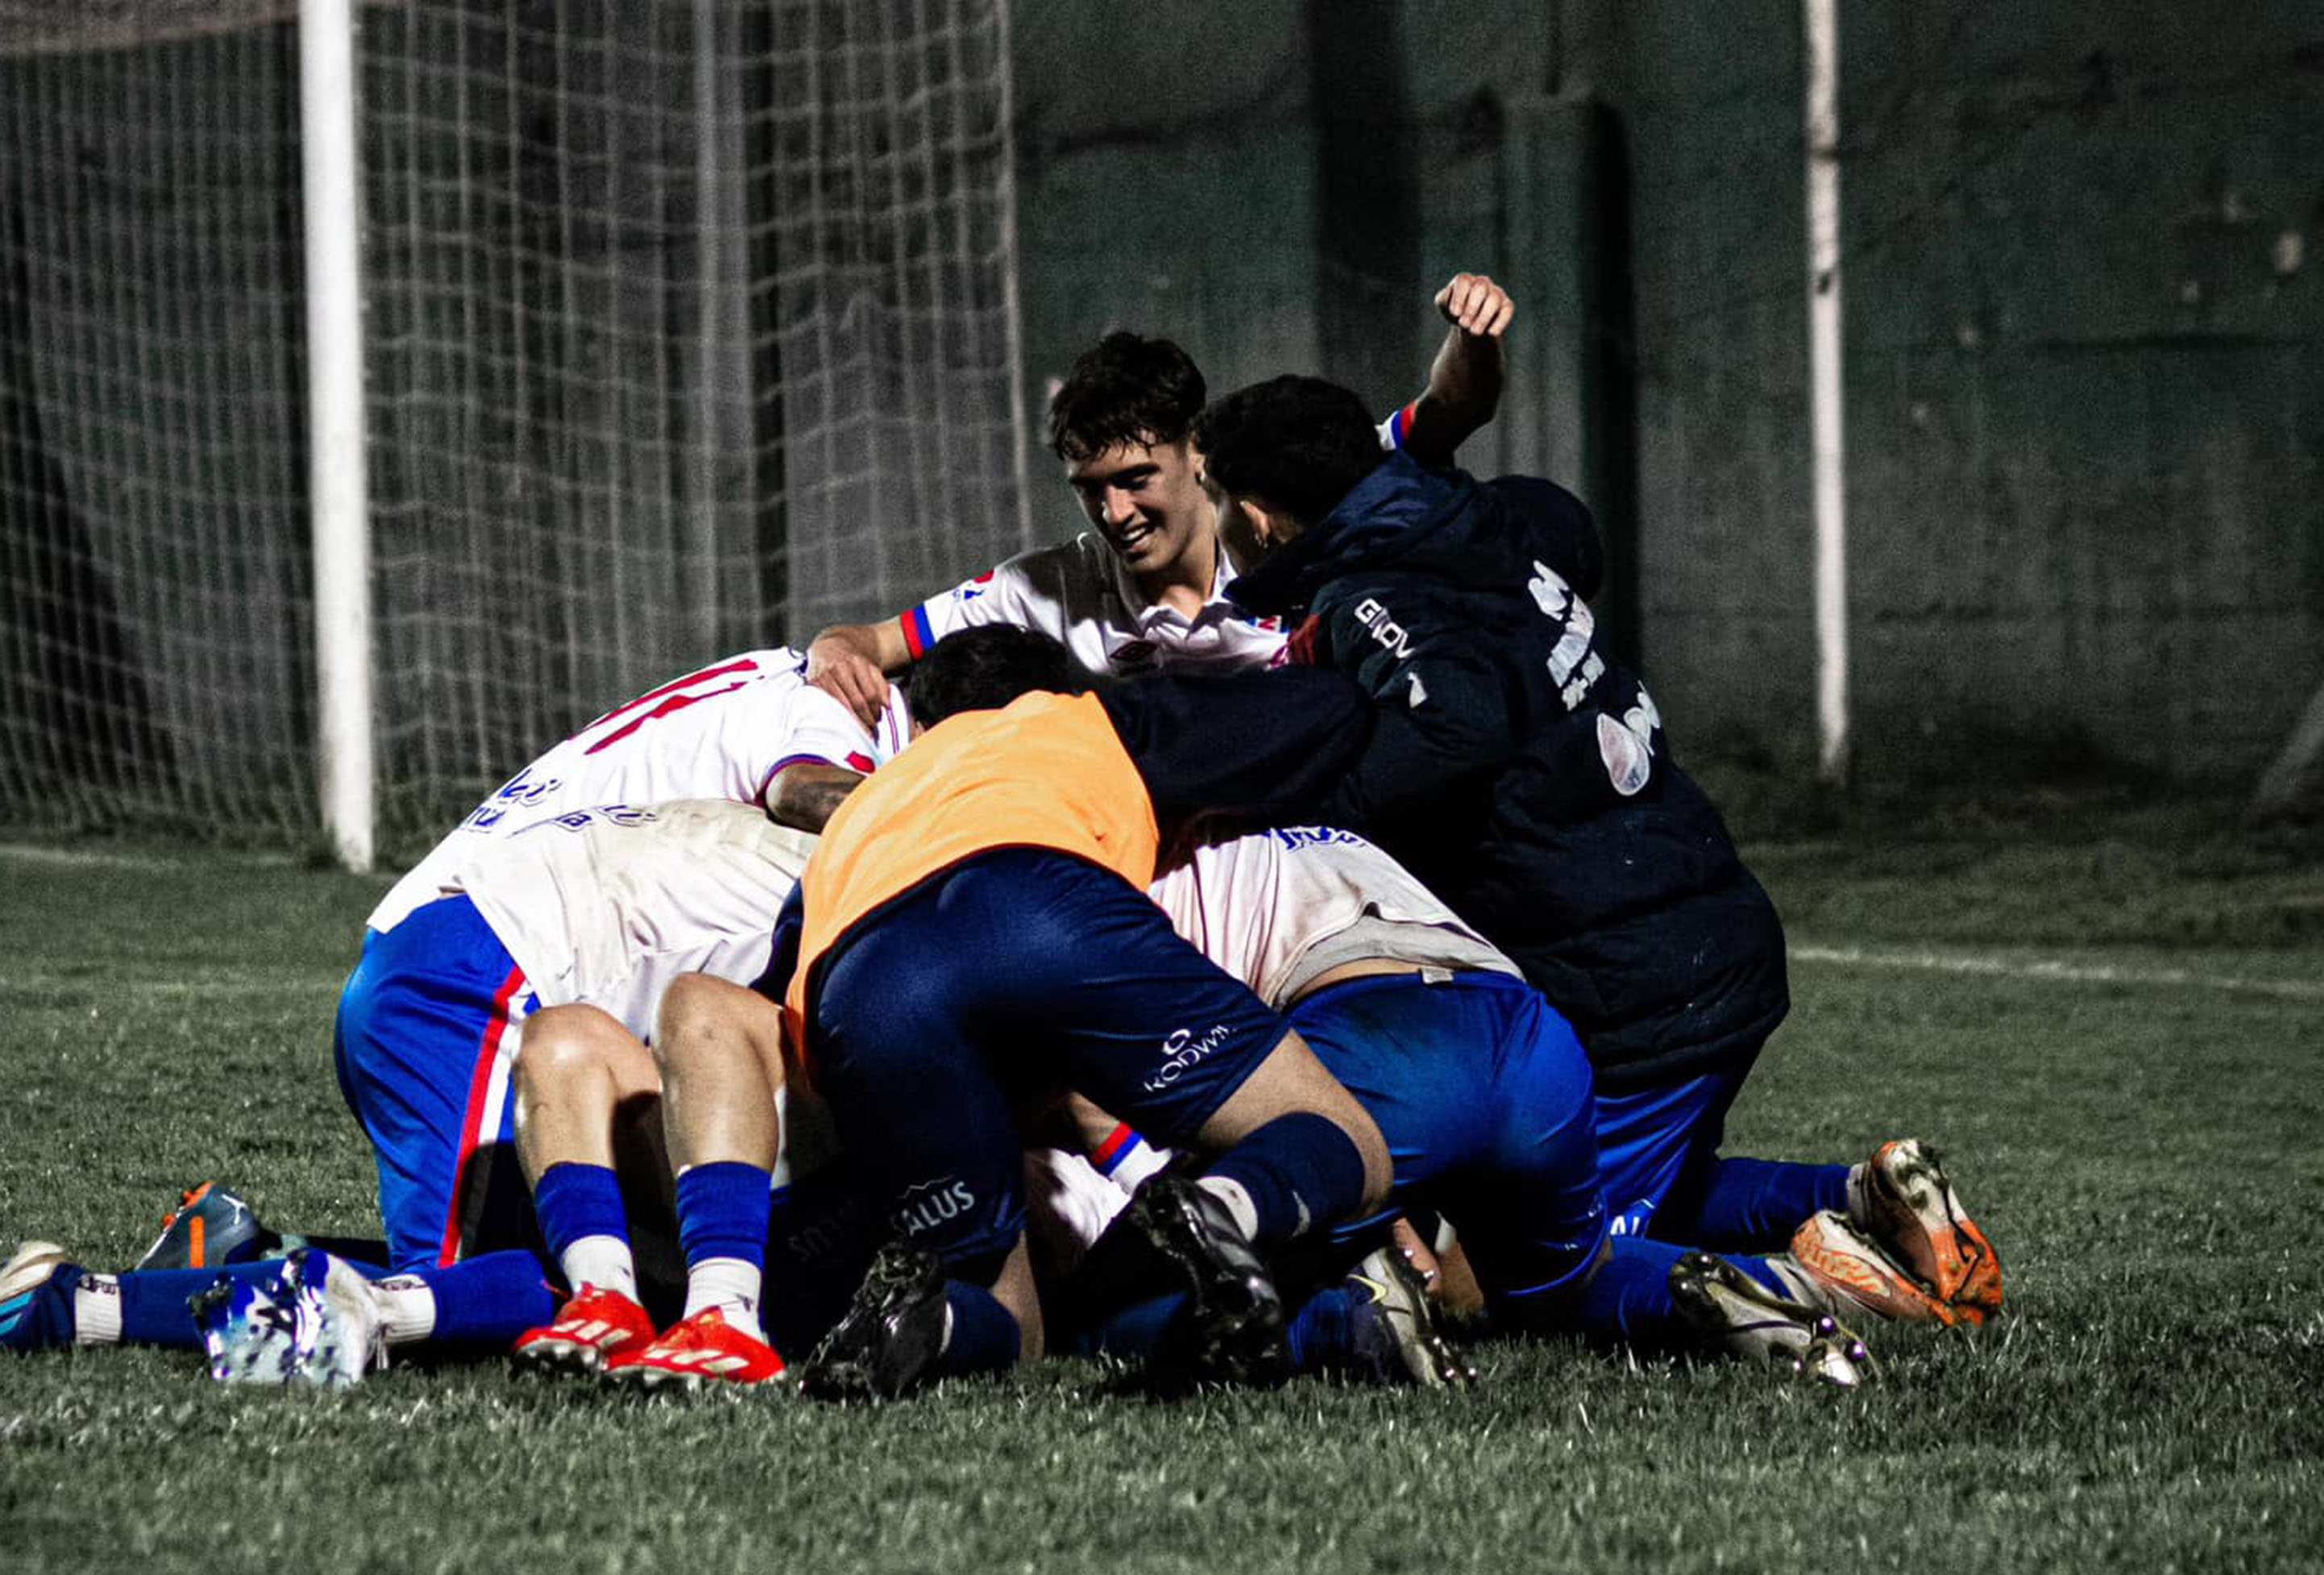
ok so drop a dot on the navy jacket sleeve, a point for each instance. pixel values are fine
(1264, 746)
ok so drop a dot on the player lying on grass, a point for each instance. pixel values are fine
(1142, 589)
(1296, 911)
(589, 915)
(1531, 785)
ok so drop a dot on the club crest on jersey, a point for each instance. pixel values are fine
(1384, 629)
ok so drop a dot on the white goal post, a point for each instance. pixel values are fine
(687, 325)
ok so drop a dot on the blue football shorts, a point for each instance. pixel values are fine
(426, 1035)
(1483, 1094)
(1022, 967)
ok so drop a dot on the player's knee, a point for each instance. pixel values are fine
(565, 1044)
(705, 1021)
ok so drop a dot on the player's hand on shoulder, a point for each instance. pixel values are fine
(844, 661)
(1474, 304)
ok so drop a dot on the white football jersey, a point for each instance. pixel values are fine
(1262, 905)
(1078, 592)
(720, 733)
(605, 906)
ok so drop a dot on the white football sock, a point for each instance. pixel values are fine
(732, 1286)
(1859, 1201)
(1229, 1191)
(97, 1311)
(407, 1309)
(603, 1261)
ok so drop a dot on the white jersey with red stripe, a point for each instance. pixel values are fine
(605, 906)
(1078, 593)
(1268, 907)
(722, 732)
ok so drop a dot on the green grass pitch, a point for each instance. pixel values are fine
(2115, 1030)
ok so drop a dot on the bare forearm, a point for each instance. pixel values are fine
(1464, 381)
(807, 796)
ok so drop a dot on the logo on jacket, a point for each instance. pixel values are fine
(1384, 629)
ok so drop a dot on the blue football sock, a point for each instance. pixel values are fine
(1318, 1334)
(577, 1200)
(1629, 1301)
(984, 1338)
(723, 1211)
(1301, 1173)
(488, 1300)
(153, 1309)
(1134, 1332)
(1751, 1205)
(482, 1300)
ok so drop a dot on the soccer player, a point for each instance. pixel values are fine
(1142, 589)
(1531, 785)
(589, 916)
(975, 916)
(431, 1019)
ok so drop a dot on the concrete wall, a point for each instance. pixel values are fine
(2085, 335)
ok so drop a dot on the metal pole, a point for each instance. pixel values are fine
(338, 480)
(1827, 391)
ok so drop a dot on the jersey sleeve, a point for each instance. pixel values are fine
(1395, 428)
(824, 732)
(1019, 592)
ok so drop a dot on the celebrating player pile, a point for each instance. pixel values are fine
(1365, 881)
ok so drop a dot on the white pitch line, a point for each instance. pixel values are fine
(2055, 970)
(34, 853)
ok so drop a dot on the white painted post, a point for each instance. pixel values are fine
(337, 479)
(713, 329)
(1827, 391)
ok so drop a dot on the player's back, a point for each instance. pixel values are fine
(1279, 908)
(605, 906)
(721, 732)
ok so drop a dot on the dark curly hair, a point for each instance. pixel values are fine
(1124, 389)
(984, 668)
(1300, 442)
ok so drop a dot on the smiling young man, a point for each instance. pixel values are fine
(1145, 588)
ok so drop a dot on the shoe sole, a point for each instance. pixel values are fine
(29, 1268)
(841, 1369)
(1236, 1318)
(1917, 1212)
(561, 1359)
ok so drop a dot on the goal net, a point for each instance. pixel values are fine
(689, 326)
